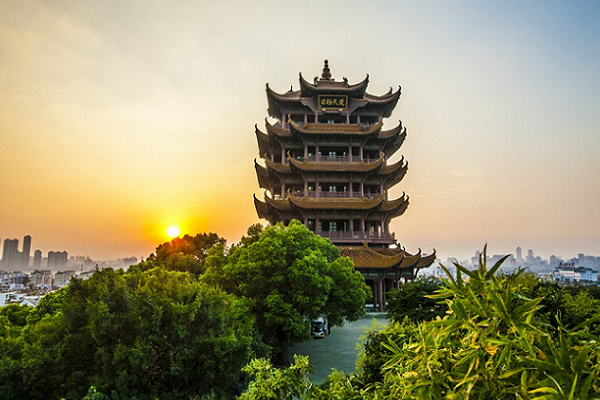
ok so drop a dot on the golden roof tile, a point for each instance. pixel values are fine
(312, 203)
(365, 257)
(388, 98)
(290, 96)
(335, 166)
(261, 208)
(276, 130)
(427, 260)
(392, 168)
(329, 86)
(264, 143)
(263, 175)
(278, 204)
(391, 133)
(278, 167)
(390, 149)
(395, 207)
(334, 129)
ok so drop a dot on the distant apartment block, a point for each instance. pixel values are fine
(62, 278)
(18, 298)
(566, 272)
(80, 263)
(41, 278)
(13, 280)
(57, 260)
(10, 253)
(12, 258)
(37, 259)
(86, 275)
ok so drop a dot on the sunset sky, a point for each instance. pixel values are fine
(121, 118)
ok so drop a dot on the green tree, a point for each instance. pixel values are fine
(270, 383)
(186, 254)
(577, 308)
(12, 321)
(145, 334)
(289, 276)
(412, 301)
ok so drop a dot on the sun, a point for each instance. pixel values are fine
(173, 231)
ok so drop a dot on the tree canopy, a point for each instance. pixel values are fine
(412, 301)
(181, 324)
(288, 276)
(186, 254)
(145, 334)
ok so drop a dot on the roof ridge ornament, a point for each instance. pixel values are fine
(326, 74)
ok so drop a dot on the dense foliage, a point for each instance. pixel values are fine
(150, 334)
(494, 343)
(412, 301)
(180, 325)
(186, 254)
(288, 276)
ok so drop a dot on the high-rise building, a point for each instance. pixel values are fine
(12, 258)
(26, 253)
(530, 258)
(10, 254)
(519, 255)
(37, 259)
(326, 164)
(57, 260)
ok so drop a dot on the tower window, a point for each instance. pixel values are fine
(332, 226)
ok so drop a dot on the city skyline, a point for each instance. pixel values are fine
(34, 261)
(120, 120)
(13, 259)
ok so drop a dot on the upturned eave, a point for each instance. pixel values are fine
(330, 86)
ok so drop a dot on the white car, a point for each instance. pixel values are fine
(319, 328)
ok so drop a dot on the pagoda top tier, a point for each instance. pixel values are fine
(343, 95)
(327, 85)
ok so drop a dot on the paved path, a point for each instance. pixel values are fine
(337, 351)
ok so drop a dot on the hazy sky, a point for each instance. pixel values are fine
(120, 118)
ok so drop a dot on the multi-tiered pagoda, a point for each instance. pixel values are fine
(326, 164)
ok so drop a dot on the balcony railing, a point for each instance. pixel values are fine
(354, 235)
(335, 195)
(333, 158)
(337, 159)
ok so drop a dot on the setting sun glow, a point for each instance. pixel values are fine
(173, 231)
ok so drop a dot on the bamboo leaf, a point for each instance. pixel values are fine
(497, 265)
(565, 351)
(523, 387)
(448, 274)
(543, 365)
(586, 387)
(525, 309)
(573, 386)
(587, 322)
(580, 360)
(499, 304)
(510, 373)
(468, 272)
(544, 390)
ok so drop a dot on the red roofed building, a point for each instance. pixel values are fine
(325, 163)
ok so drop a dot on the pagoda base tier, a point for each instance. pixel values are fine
(385, 268)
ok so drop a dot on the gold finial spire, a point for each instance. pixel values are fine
(326, 75)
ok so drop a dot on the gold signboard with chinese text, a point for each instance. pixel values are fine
(333, 102)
